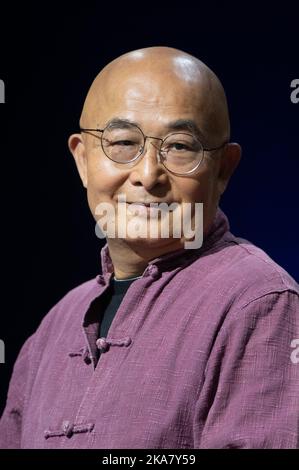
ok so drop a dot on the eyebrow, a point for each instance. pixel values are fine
(186, 125)
(178, 125)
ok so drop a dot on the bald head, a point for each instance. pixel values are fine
(150, 75)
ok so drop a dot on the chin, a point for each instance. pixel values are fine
(151, 243)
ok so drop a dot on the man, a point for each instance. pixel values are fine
(170, 347)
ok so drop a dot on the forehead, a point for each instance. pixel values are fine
(150, 99)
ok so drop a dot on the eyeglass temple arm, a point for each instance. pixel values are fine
(90, 130)
(216, 148)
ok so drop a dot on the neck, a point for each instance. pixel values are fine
(131, 259)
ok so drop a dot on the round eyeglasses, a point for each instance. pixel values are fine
(180, 153)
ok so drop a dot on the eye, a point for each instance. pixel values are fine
(179, 146)
(124, 143)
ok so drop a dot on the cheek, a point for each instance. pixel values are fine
(104, 178)
(104, 181)
(198, 189)
(202, 189)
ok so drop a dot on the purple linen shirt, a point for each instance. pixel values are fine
(198, 356)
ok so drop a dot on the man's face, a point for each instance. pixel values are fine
(153, 102)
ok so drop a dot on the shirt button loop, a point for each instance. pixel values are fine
(102, 344)
(67, 428)
(153, 271)
(100, 280)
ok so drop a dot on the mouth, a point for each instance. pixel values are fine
(152, 208)
(151, 204)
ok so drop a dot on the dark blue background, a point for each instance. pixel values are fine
(49, 58)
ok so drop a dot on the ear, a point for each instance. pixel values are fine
(77, 149)
(230, 159)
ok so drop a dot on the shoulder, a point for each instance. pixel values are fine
(259, 274)
(264, 289)
(235, 274)
(67, 314)
(256, 299)
(78, 295)
(243, 267)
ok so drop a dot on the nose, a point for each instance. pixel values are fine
(149, 171)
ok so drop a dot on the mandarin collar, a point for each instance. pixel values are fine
(218, 228)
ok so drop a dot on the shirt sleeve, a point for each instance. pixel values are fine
(250, 397)
(11, 420)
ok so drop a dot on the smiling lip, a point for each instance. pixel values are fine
(149, 208)
(147, 204)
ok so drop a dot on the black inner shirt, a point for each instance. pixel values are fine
(115, 295)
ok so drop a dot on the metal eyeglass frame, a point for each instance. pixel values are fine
(204, 149)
